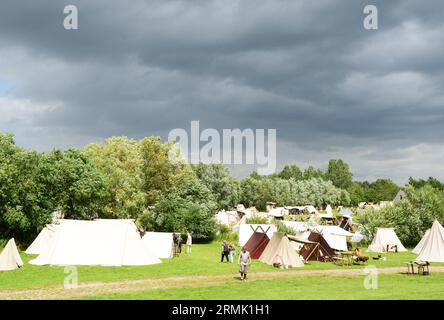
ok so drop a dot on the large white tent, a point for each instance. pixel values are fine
(43, 240)
(99, 242)
(10, 257)
(433, 248)
(159, 243)
(421, 243)
(385, 237)
(246, 230)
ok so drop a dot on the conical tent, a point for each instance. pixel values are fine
(257, 242)
(10, 258)
(433, 248)
(279, 250)
(385, 238)
(100, 242)
(421, 243)
(43, 240)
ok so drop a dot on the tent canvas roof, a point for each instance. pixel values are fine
(257, 244)
(161, 244)
(246, 230)
(279, 250)
(433, 248)
(421, 243)
(103, 242)
(318, 249)
(383, 238)
(43, 240)
(10, 258)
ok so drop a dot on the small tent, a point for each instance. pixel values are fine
(335, 236)
(385, 239)
(159, 243)
(421, 243)
(246, 230)
(316, 248)
(105, 242)
(257, 242)
(433, 248)
(279, 250)
(43, 240)
(10, 257)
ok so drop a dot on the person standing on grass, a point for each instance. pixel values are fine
(244, 262)
(232, 251)
(189, 242)
(179, 243)
(225, 251)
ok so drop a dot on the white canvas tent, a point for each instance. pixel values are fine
(159, 243)
(433, 248)
(227, 217)
(385, 237)
(246, 230)
(335, 236)
(99, 242)
(279, 250)
(421, 243)
(43, 240)
(10, 257)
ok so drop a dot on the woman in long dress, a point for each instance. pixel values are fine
(244, 262)
(189, 242)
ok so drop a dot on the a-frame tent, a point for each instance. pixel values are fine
(257, 242)
(433, 248)
(279, 251)
(10, 258)
(385, 239)
(316, 248)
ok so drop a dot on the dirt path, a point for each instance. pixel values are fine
(103, 288)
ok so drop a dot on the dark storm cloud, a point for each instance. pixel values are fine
(307, 68)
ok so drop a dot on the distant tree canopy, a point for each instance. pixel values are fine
(148, 180)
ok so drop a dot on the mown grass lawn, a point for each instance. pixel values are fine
(399, 287)
(205, 260)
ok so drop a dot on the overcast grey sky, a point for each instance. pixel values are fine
(307, 68)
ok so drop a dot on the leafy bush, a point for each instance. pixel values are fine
(256, 219)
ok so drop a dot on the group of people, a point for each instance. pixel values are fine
(244, 261)
(179, 241)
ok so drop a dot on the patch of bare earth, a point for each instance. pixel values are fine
(104, 288)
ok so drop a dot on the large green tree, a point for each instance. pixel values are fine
(339, 173)
(120, 162)
(217, 178)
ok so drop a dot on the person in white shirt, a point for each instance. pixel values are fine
(189, 242)
(244, 262)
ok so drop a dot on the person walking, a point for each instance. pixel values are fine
(189, 242)
(244, 262)
(224, 252)
(232, 252)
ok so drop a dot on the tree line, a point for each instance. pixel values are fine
(148, 181)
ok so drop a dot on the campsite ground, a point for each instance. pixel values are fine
(200, 275)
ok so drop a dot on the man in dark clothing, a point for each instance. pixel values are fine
(179, 243)
(225, 251)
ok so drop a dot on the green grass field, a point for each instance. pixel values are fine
(205, 260)
(399, 287)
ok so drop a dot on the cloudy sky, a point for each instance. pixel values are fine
(307, 68)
